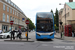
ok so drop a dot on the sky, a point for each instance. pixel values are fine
(31, 7)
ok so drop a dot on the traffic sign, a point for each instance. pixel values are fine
(11, 22)
(23, 19)
(27, 21)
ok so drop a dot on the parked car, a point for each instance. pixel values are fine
(7, 34)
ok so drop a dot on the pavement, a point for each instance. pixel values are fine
(57, 36)
(24, 39)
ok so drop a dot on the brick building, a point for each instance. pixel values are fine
(9, 11)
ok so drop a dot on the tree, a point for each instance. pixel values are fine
(31, 24)
(52, 12)
(56, 18)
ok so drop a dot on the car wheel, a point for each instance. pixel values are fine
(8, 36)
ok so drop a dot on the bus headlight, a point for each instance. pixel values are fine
(38, 34)
(51, 34)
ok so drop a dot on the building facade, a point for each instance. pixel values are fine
(8, 12)
(69, 11)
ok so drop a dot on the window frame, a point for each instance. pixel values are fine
(7, 9)
(7, 18)
(3, 16)
(3, 6)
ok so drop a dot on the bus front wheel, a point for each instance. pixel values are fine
(37, 39)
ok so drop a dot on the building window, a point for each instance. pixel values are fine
(17, 21)
(3, 6)
(68, 8)
(6, 0)
(3, 16)
(7, 9)
(10, 10)
(7, 18)
(13, 11)
(12, 3)
(17, 14)
(9, 1)
(10, 18)
(13, 18)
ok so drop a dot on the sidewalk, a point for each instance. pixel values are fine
(57, 36)
(24, 39)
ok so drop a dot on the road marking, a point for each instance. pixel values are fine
(53, 42)
(44, 44)
(10, 43)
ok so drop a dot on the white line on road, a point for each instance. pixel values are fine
(10, 43)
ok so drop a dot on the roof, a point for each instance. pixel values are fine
(71, 5)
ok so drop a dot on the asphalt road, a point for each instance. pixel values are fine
(54, 44)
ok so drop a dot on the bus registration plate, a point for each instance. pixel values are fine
(44, 34)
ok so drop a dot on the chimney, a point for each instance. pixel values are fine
(70, 0)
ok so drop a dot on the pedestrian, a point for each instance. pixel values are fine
(20, 32)
(13, 34)
(72, 33)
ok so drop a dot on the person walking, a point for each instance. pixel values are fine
(13, 35)
(20, 32)
(72, 33)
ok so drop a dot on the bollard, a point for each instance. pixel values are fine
(26, 34)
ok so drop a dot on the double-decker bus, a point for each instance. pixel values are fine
(44, 25)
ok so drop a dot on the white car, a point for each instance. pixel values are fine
(7, 34)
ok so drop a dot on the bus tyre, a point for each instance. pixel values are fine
(37, 39)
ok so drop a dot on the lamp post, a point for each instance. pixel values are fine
(65, 12)
(65, 15)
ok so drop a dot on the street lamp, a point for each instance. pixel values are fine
(65, 17)
(65, 12)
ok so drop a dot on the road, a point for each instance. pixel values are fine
(54, 44)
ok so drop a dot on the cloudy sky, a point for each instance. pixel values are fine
(31, 7)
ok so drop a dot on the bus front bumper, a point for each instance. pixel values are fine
(45, 37)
